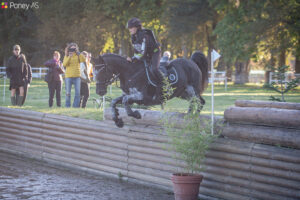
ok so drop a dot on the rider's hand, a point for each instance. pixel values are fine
(129, 59)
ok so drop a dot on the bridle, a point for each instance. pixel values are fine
(106, 82)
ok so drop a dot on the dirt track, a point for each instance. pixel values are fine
(27, 179)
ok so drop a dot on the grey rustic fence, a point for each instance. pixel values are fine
(257, 156)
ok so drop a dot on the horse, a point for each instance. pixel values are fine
(190, 78)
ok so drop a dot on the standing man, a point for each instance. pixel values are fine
(17, 72)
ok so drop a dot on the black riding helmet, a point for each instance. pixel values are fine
(134, 22)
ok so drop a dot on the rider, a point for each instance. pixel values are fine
(146, 48)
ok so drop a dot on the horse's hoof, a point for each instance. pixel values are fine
(137, 115)
(119, 123)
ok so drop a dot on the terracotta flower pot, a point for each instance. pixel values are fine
(186, 186)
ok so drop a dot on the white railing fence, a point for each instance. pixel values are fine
(37, 72)
(288, 76)
(220, 76)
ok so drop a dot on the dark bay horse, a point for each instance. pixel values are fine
(136, 84)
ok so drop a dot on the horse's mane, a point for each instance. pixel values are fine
(131, 66)
(113, 55)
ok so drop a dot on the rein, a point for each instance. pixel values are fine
(106, 82)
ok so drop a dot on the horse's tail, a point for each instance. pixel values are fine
(200, 59)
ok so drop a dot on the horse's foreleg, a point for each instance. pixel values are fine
(127, 101)
(115, 112)
(130, 99)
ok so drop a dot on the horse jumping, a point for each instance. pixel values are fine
(138, 86)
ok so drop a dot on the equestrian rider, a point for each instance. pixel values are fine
(146, 48)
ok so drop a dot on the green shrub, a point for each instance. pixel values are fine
(191, 141)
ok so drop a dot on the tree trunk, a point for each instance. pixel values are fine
(228, 71)
(184, 48)
(122, 50)
(261, 116)
(164, 45)
(221, 65)
(123, 45)
(241, 72)
(282, 58)
(267, 104)
(270, 69)
(297, 65)
(297, 59)
(210, 46)
(116, 43)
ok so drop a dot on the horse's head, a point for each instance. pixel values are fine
(103, 75)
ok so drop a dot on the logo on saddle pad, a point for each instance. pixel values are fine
(171, 74)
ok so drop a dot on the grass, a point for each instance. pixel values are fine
(37, 99)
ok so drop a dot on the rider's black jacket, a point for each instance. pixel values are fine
(144, 44)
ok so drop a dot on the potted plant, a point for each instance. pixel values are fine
(189, 143)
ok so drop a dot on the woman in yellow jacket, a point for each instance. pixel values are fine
(71, 62)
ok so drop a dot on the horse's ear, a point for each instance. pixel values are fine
(100, 59)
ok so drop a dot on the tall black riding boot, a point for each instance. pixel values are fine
(20, 100)
(13, 100)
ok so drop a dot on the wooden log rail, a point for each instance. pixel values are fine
(239, 165)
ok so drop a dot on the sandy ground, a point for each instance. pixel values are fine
(28, 179)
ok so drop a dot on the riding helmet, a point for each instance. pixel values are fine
(134, 22)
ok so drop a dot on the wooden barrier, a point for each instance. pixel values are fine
(267, 104)
(249, 161)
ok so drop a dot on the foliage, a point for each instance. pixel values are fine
(167, 90)
(281, 86)
(241, 30)
(191, 142)
(18, 27)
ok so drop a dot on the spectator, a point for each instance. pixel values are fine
(164, 61)
(55, 70)
(85, 70)
(72, 62)
(26, 85)
(17, 71)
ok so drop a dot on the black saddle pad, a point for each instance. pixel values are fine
(170, 73)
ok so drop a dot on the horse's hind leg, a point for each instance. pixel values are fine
(202, 101)
(115, 112)
(201, 104)
(193, 97)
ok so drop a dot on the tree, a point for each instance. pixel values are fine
(19, 27)
(281, 86)
(248, 25)
(187, 19)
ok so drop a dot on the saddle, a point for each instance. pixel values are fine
(167, 70)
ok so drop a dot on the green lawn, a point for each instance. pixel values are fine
(37, 99)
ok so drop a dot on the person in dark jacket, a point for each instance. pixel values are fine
(55, 78)
(147, 49)
(16, 70)
(26, 85)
